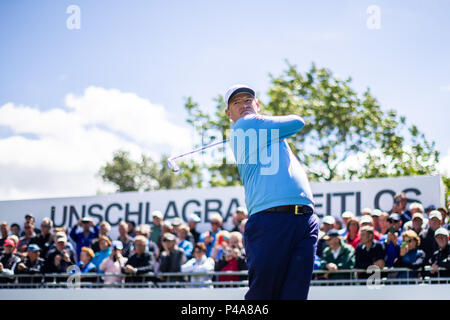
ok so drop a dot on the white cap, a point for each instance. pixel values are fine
(194, 217)
(435, 214)
(441, 231)
(366, 219)
(328, 220)
(235, 89)
(157, 214)
(376, 212)
(417, 215)
(368, 210)
(347, 214)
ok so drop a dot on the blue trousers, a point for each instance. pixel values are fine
(280, 249)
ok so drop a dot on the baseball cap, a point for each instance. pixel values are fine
(347, 214)
(331, 233)
(86, 219)
(29, 215)
(157, 214)
(117, 244)
(235, 89)
(194, 217)
(61, 236)
(435, 214)
(9, 242)
(394, 217)
(169, 237)
(368, 210)
(376, 212)
(176, 222)
(328, 220)
(366, 219)
(430, 207)
(441, 231)
(33, 247)
(241, 209)
(417, 215)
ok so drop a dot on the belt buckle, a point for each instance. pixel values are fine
(297, 210)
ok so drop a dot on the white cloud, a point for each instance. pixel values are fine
(58, 152)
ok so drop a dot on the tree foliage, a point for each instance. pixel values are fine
(347, 135)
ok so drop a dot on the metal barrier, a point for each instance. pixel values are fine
(386, 276)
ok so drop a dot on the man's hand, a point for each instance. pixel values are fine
(129, 269)
(331, 267)
(403, 251)
(1, 267)
(65, 256)
(57, 260)
(21, 266)
(434, 268)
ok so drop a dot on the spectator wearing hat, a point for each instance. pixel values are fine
(114, 263)
(86, 265)
(8, 261)
(150, 246)
(441, 257)
(209, 237)
(367, 220)
(140, 262)
(104, 230)
(125, 239)
(428, 241)
(369, 251)
(172, 258)
(29, 218)
(346, 216)
(400, 202)
(85, 237)
(4, 231)
(376, 220)
(186, 245)
(192, 223)
(104, 252)
(410, 255)
(32, 264)
(327, 224)
(28, 238)
(392, 239)
(366, 211)
(176, 224)
(353, 236)
(240, 214)
(417, 222)
(337, 256)
(156, 233)
(45, 239)
(200, 263)
(60, 257)
(428, 210)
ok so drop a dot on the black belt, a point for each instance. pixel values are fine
(296, 209)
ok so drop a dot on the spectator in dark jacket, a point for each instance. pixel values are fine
(441, 257)
(392, 240)
(171, 258)
(337, 256)
(45, 239)
(192, 223)
(369, 251)
(127, 241)
(8, 261)
(399, 207)
(139, 263)
(85, 237)
(410, 255)
(428, 241)
(33, 265)
(59, 258)
(29, 237)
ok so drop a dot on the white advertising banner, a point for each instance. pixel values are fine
(330, 198)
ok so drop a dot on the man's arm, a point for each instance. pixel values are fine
(287, 125)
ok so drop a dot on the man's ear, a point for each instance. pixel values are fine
(227, 111)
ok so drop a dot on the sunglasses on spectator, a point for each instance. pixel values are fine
(215, 222)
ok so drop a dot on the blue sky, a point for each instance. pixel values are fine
(164, 51)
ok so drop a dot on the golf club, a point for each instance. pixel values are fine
(173, 165)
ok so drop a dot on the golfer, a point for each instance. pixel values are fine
(281, 232)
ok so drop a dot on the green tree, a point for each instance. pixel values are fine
(145, 175)
(341, 127)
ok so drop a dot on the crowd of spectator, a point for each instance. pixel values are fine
(165, 246)
(413, 238)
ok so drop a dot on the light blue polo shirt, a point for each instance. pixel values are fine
(271, 174)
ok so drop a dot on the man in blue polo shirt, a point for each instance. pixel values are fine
(281, 232)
